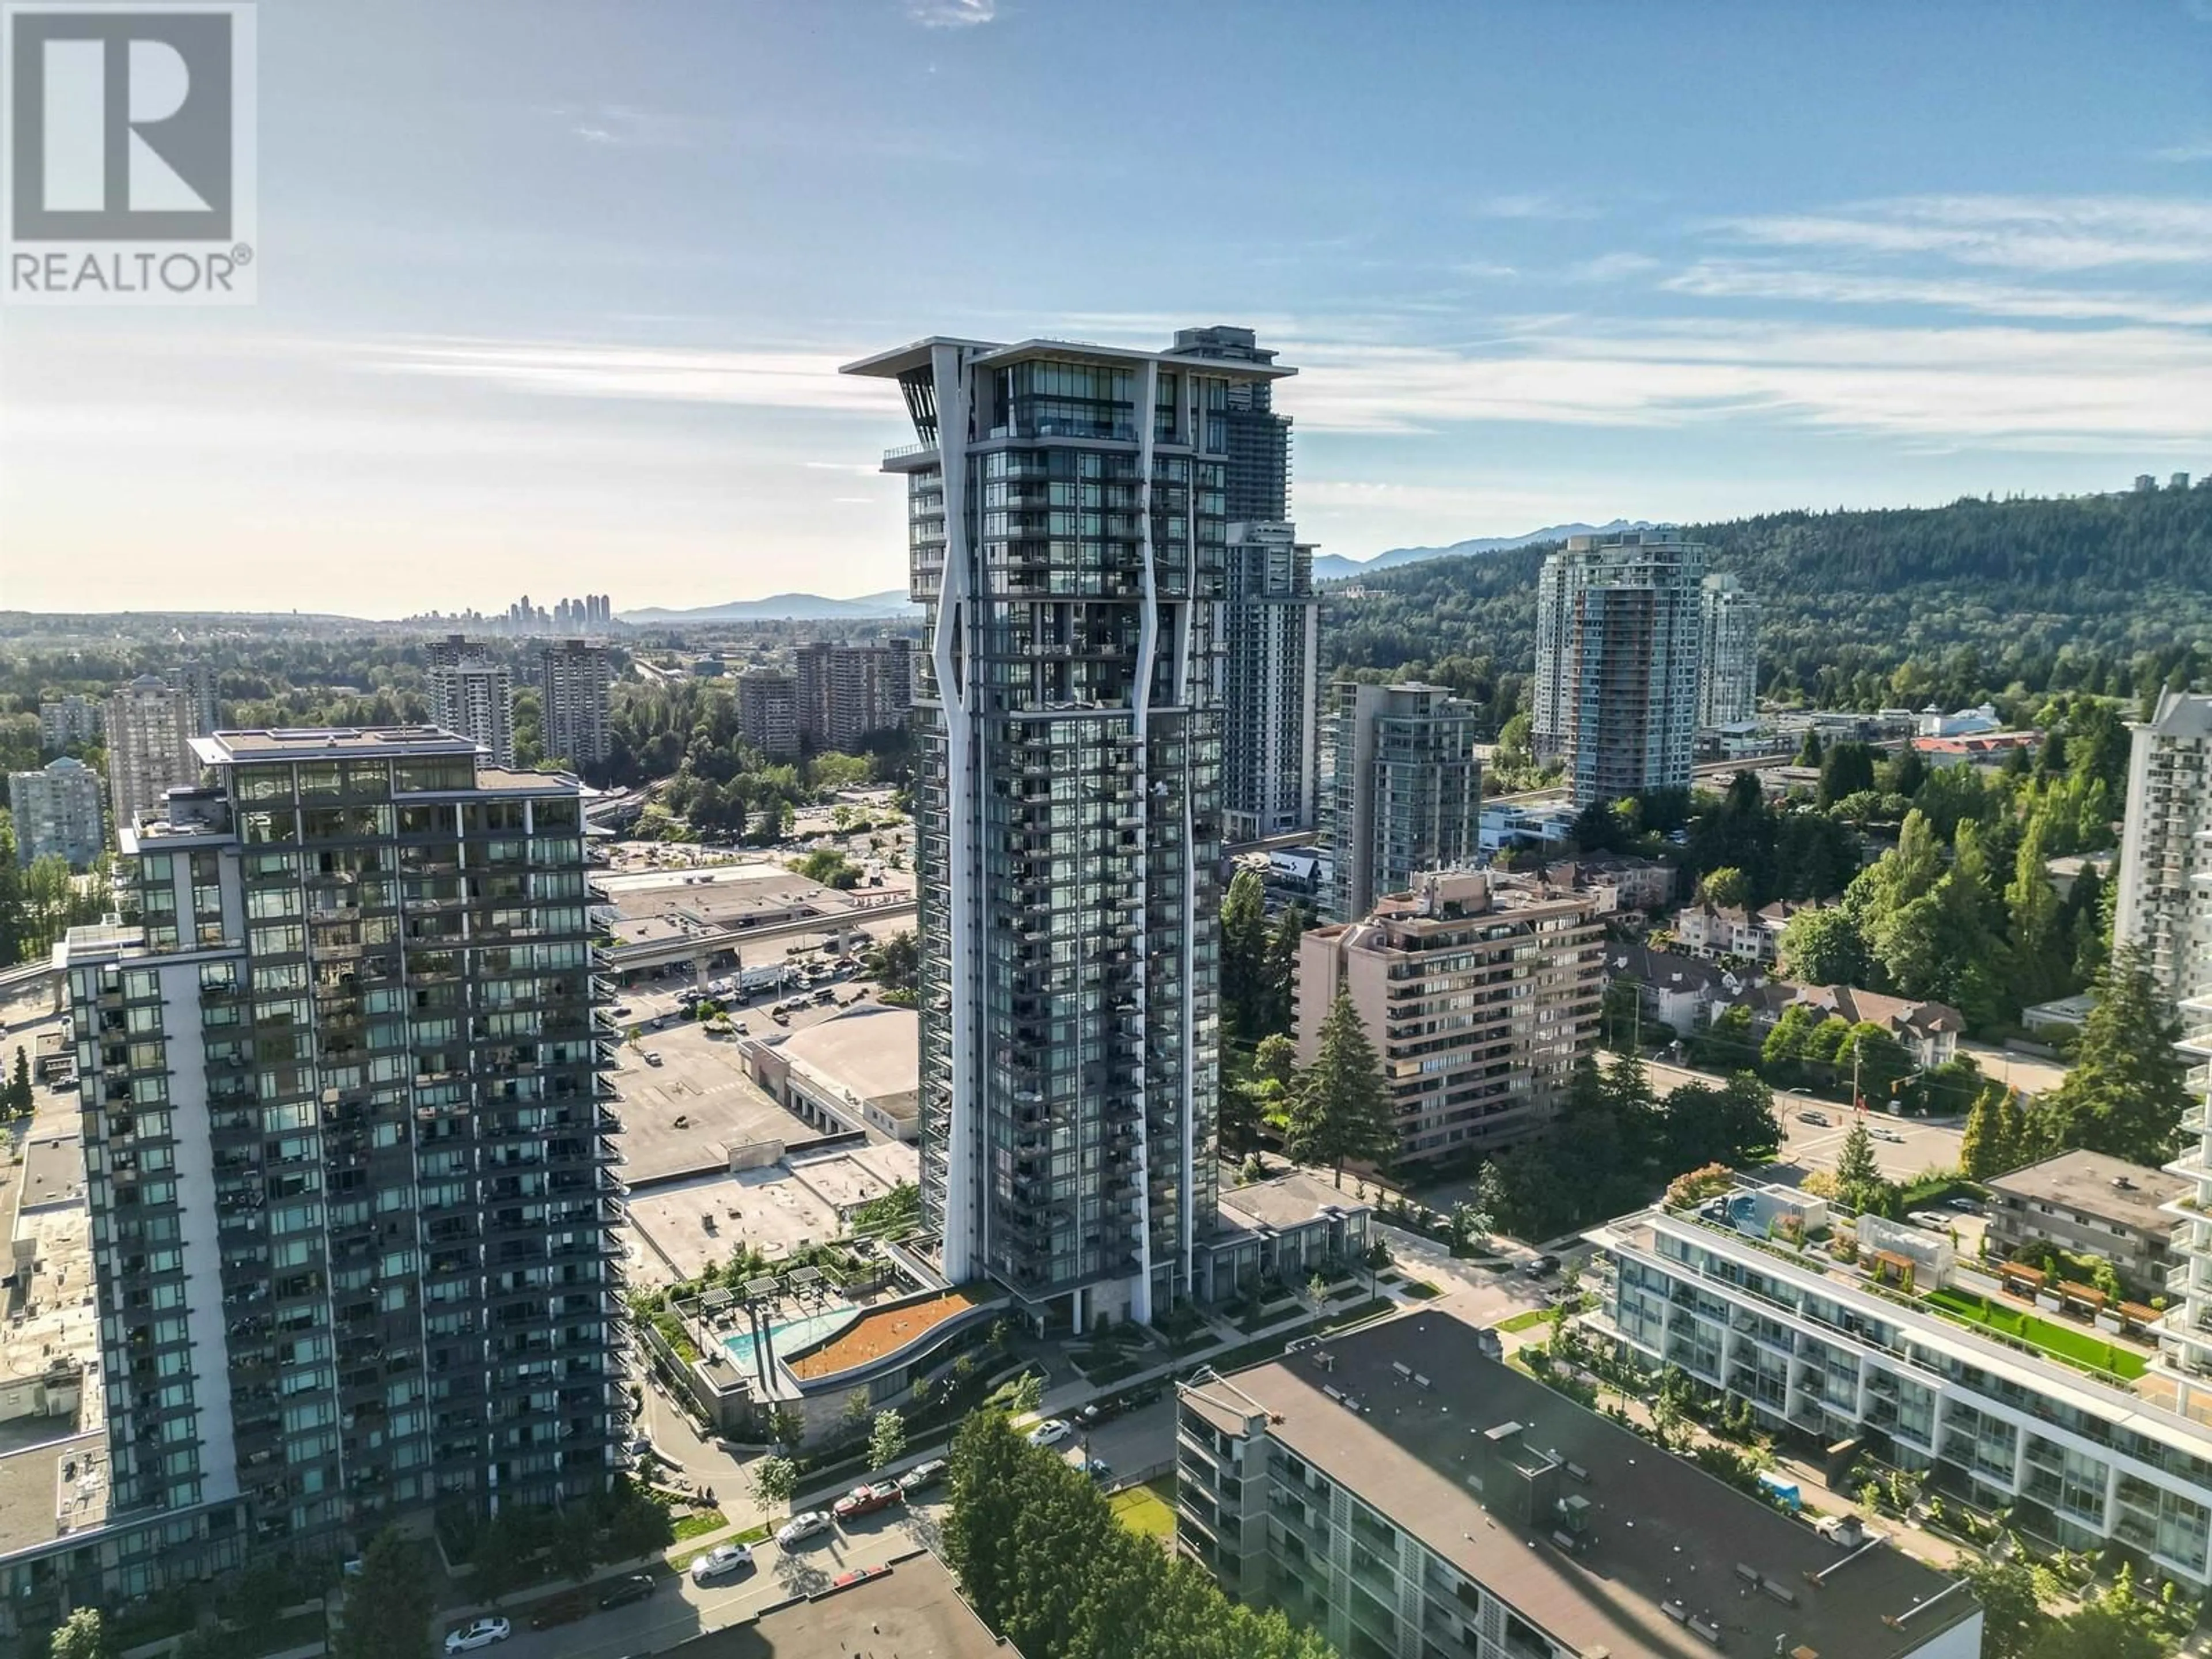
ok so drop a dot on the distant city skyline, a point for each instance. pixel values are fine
(557, 306)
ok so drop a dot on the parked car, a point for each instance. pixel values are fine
(1050, 1432)
(1820, 1118)
(652, 1057)
(720, 1562)
(1539, 1266)
(634, 1586)
(481, 1634)
(1964, 1206)
(1932, 1218)
(800, 1528)
(1098, 1469)
(560, 1610)
(866, 1500)
(1097, 1412)
(923, 1475)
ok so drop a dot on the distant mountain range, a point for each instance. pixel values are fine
(893, 604)
(890, 604)
(1334, 567)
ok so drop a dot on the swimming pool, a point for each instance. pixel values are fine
(789, 1336)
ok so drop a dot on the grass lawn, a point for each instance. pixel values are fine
(692, 1525)
(1148, 1510)
(2082, 1347)
(1525, 1321)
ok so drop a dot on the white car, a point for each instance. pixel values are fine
(1050, 1432)
(481, 1634)
(800, 1528)
(720, 1562)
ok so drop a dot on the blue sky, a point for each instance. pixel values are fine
(552, 291)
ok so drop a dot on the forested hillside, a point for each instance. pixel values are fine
(2107, 593)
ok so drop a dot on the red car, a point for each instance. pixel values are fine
(866, 1500)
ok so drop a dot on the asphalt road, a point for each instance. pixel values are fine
(679, 1609)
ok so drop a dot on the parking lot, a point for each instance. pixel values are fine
(1903, 1146)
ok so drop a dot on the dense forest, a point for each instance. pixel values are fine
(2111, 594)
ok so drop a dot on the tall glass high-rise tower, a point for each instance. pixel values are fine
(1069, 538)
(347, 1143)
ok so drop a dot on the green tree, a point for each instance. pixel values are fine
(1278, 970)
(388, 1604)
(1244, 953)
(83, 1635)
(1339, 1111)
(774, 1479)
(1986, 1148)
(1874, 1060)
(886, 1440)
(1727, 887)
(1846, 770)
(2012, 1613)
(1855, 1165)
(2126, 1094)
(2042, 965)
(21, 1100)
(1026, 1398)
(1823, 947)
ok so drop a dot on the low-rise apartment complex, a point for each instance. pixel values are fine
(1411, 1496)
(1479, 990)
(2060, 1421)
(2089, 1205)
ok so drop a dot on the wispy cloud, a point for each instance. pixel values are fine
(1612, 267)
(951, 14)
(2196, 149)
(620, 126)
(762, 378)
(2151, 387)
(1535, 204)
(2046, 234)
(1733, 280)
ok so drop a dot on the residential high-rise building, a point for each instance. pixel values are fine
(2163, 907)
(2186, 1332)
(1068, 536)
(350, 1178)
(845, 692)
(66, 722)
(768, 710)
(200, 682)
(57, 810)
(1479, 991)
(1617, 634)
(1271, 632)
(1728, 653)
(1257, 485)
(574, 685)
(149, 735)
(449, 652)
(475, 699)
(1402, 790)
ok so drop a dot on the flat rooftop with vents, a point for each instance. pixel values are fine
(1483, 1500)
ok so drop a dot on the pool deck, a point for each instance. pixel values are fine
(881, 1332)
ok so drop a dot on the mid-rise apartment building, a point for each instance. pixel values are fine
(1479, 991)
(474, 698)
(68, 721)
(1728, 653)
(1271, 685)
(575, 681)
(1401, 790)
(768, 710)
(1409, 1496)
(2164, 904)
(55, 811)
(1617, 621)
(2094, 1206)
(149, 733)
(847, 691)
(347, 1146)
(1068, 536)
(1826, 1351)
